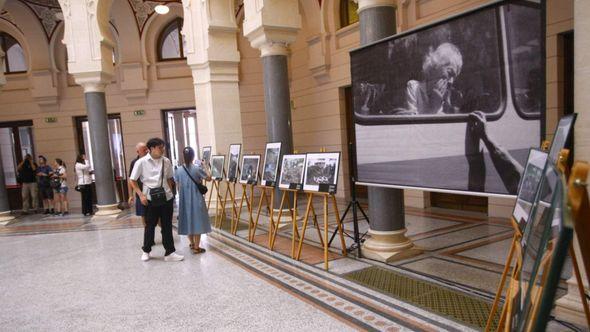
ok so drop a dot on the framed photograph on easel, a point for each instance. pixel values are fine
(562, 133)
(321, 172)
(234, 159)
(206, 155)
(271, 164)
(217, 165)
(529, 185)
(249, 171)
(292, 171)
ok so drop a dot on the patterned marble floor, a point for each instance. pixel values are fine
(78, 273)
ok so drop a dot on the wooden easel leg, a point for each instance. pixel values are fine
(295, 231)
(270, 208)
(273, 234)
(317, 225)
(326, 232)
(507, 266)
(305, 219)
(580, 284)
(210, 195)
(250, 203)
(339, 225)
(262, 197)
(244, 197)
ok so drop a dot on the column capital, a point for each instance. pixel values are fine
(366, 4)
(271, 25)
(93, 81)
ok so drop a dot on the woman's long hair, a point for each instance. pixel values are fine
(60, 162)
(189, 156)
(79, 159)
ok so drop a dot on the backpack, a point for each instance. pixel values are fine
(55, 183)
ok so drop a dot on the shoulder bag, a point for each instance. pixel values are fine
(202, 188)
(158, 194)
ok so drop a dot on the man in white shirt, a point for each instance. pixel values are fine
(154, 170)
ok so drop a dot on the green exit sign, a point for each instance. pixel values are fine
(139, 113)
(51, 119)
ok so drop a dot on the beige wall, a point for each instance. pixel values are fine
(319, 68)
(140, 83)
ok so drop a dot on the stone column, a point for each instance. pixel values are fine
(98, 125)
(386, 206)
(271, 26)
(5, 216)
(569, 307)
(211, 47)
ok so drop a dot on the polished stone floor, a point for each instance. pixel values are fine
(80, 273)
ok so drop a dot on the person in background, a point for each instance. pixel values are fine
(61, 189)
(26, 176)
(141, 150)
(83, 174)
(44, 173)
(155, 171)
(193, 218)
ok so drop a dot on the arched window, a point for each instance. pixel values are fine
(14, 61)
(170, 43)
(348, 13)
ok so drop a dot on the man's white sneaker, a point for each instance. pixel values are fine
(173, 257)
(145, 257)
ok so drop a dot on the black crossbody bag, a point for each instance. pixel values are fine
(202, 188)
(158, 194)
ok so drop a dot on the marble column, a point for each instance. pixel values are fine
(101, 153)
(569, 307)
(277, 106)
(386, 206)
(271, 26)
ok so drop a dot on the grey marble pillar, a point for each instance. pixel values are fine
(386, 206)
(101, 152)
(277, 106)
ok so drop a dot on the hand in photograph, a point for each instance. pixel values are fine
(508, 168)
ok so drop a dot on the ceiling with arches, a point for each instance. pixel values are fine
(48, 12)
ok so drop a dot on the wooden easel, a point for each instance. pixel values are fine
(324, 240)
(220, 206)
(231, 192)
(264, 197)
(293, 209)
(210, 193)
(247, 188)
(511, 294)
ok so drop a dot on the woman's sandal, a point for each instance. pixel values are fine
(198, 250)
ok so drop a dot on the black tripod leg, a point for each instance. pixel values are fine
(342, 222)
(355, 222)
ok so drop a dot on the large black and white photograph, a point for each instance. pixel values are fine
(217, 165)
(529, 186)
(453, 106)
(321, 169)
(234, 159)
(249, 171)
(206, 155)
(560, 138)
(292, 169)
(271, 163)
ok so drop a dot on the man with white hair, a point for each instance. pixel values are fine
(142, 150)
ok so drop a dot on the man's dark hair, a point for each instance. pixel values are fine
(154, 142)
(43, 157)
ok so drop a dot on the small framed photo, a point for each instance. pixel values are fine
(562, 133)
(206, 155)
(249, 172)
(321, 172)
(234, 159)
(217, 166)
(271, 164)
(292, 171)
(529, 185)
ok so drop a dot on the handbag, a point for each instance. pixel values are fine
(55, 183)
(158, 194)
(202, 188)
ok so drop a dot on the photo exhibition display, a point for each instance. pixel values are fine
(249, 171)
(234, 159)
(321, 172)
(217, 164)
(292, 169)
(206, 155)
(271, 163)
(452, 106)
